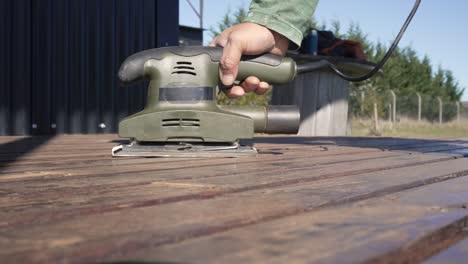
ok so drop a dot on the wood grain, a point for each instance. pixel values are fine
(455, 254)
(64, 199)
(405, 227)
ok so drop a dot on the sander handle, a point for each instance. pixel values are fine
(267, 67)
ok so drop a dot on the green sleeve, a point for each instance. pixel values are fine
(290, 18)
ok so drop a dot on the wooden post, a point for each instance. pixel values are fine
(440, 109)
(390, 113)
(458, 112)
(419, 106)
(390, 116)
(393, 105)
(363, 97)
(376, 117)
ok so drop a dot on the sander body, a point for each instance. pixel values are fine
(182, 118)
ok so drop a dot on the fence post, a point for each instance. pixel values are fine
(376, 117)
(393, 105)
(419, 106)
(390, 113)
(363, 97)
(390, 116)
(440, 109)
(458, 112)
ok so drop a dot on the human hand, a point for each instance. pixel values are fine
(246, 39)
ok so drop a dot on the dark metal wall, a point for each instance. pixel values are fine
(59, 60)
(190, 36)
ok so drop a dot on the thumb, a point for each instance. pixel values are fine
(229, 63)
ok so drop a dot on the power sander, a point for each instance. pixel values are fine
(181, 117)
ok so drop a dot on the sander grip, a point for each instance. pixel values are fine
(282, 73)
(267, 67)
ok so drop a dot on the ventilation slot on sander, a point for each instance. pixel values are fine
(181, 122)
(183, 67)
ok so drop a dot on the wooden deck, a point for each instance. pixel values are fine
(63, 199)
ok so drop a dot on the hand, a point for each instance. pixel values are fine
(246, 39)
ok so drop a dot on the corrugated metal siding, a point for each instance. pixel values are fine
(62, 59)
(15, 67)
(189, 36)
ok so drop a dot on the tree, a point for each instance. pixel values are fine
(406, 73)
(229, 20)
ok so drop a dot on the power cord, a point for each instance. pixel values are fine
(309, 67)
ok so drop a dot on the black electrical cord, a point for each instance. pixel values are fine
(308, 67)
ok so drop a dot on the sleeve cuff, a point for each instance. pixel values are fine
(277, 24)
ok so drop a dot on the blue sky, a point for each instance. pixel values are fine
(438, 30)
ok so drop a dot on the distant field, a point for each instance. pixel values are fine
(410, 128)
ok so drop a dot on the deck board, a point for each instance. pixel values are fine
(455, 254)
(64, 199)
(363, 231)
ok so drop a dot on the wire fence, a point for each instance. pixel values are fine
(392, 107)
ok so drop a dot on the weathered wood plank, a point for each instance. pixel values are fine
(41, 194)
(93, 236)
(85, 161)
(270, 160)
(66, 158)
(455, 254)
(63, 200)
(99, 143)
(443, 147)
(405, 227)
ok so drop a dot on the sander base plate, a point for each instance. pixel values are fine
(183, 150)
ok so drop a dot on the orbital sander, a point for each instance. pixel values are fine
(182, 118)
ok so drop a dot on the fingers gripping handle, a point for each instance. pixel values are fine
(283, 72)
(267, 67)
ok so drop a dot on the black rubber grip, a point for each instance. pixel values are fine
(132, 69)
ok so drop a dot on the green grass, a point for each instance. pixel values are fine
(411, 128)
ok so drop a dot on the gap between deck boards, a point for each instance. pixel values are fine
(448, 235)
(203, 195)
(295, 211)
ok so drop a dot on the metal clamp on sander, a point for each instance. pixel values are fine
(181, 117)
